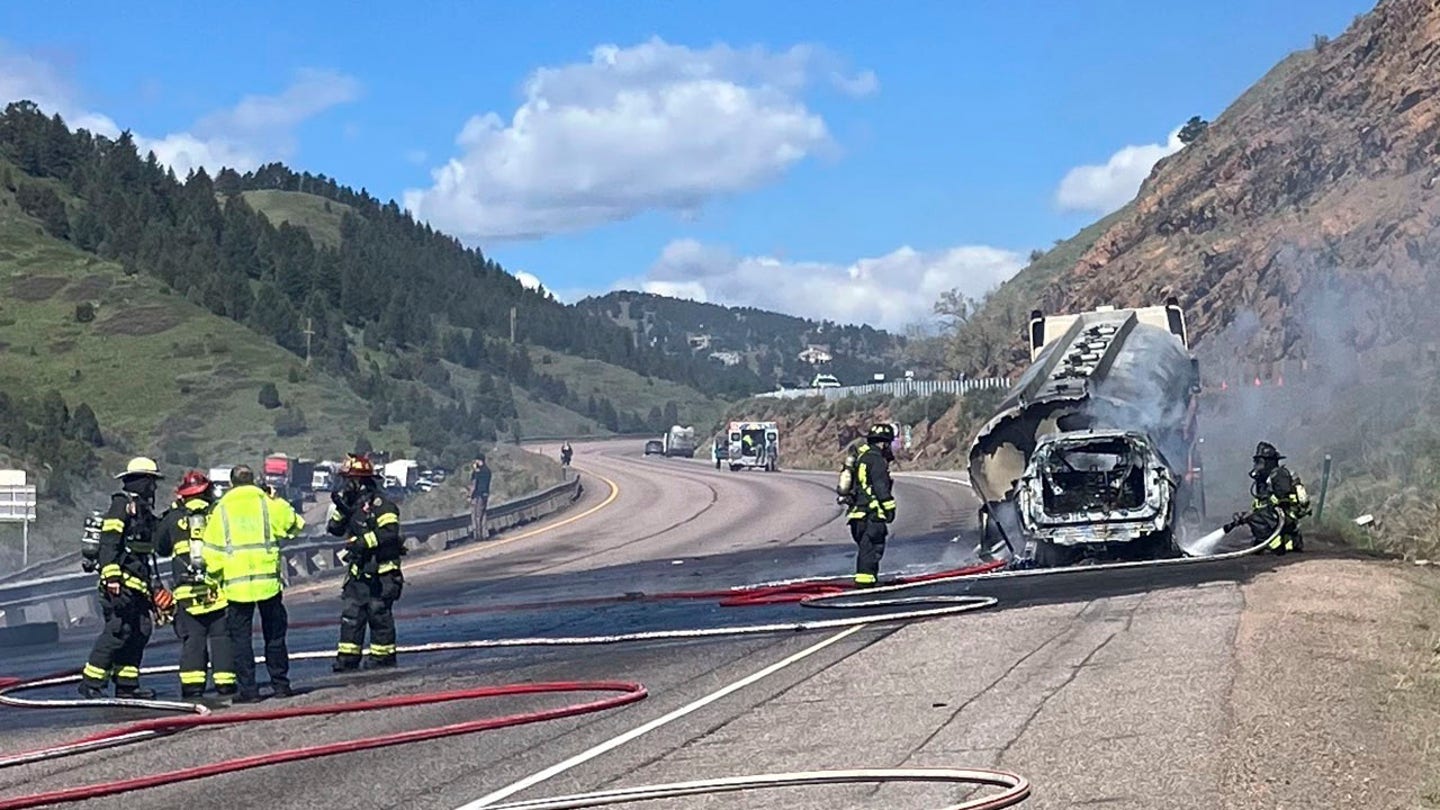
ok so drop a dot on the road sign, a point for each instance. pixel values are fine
(17, 505)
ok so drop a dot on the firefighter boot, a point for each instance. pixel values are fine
(345, 663)
(134, 693)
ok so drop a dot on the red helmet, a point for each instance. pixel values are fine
(357, 467)
(193, 483)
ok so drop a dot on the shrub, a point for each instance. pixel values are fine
(290, 422)
(269, 397)
(84, 312)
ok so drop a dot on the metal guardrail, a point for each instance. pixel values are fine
(70, 599)
(895, 388)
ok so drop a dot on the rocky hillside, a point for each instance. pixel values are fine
(1322, 176)
(815, 433)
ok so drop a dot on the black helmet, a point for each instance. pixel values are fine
(1265, 451)
(881, 432)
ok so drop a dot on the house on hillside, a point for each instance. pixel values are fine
(698, 343)
(815, 354)
(728, 358)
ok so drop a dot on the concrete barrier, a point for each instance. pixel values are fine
(24, 635)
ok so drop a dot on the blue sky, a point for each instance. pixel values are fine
(832, 160)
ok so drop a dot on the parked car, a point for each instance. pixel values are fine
(654, 447)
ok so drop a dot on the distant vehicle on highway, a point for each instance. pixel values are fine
(825, 381)
(654, 447)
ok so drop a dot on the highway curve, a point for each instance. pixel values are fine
(1116, 695)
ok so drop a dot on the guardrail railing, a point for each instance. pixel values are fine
(894, 388)
(70, 599)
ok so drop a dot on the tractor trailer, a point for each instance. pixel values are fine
(1094, 453)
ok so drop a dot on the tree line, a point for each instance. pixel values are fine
(397, 281)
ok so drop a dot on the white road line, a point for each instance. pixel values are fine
(955, 481)
(616, 742)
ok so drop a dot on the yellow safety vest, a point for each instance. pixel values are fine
(242, 543)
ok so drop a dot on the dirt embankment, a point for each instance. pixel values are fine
(1336, 697)
(935, 430)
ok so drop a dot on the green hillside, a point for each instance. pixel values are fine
(768, 343)
(319, 216)
(162, 373)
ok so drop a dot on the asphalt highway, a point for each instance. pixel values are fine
(1027, 686)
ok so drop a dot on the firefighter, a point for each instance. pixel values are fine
(200, 622)
(242, 552)
(129, 589)
(566, 453)
(1280, 500)
(872, 503)
(370, 524)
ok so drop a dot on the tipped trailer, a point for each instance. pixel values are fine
(1094, 453)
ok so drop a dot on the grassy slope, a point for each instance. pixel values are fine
(316, 214)
(626, 389)
(164, 376)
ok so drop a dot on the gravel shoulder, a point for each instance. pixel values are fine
(1336, 699)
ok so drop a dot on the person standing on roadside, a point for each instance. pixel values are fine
(479, 495)
(200, 623)
(127, 586)
(242, 551)
(872, 507)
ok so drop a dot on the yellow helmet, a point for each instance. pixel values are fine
(141, 465)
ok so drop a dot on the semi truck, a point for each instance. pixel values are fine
(291, 478)
(753, 445)
(680, 441)
(1094, 453)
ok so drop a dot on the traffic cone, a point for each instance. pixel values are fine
(1257, 382)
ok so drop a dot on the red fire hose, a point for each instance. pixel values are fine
(814, 593)
(627, 693)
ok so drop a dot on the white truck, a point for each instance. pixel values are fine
(402, 473)
(220, 478)
(753, 445)
(680, 441)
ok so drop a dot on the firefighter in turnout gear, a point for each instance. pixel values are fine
(1280, 500)
(242, 552)
(872, 503)
(200, 623)
(128, 586)
(370, 524)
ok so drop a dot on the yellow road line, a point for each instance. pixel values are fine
(471, 548)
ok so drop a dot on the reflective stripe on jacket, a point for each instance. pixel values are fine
(242, 543)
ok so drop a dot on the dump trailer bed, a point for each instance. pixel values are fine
(1092, 452)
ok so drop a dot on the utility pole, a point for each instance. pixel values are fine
(512, 326)
(308, 332)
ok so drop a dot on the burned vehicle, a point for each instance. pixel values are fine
(1094, 453)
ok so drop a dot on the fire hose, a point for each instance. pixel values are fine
(807, 593)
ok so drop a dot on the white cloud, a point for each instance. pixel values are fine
(889, 291)
(529, 281)
(256, 129)
(1102, 189)
(416, 155)
(650, 127)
